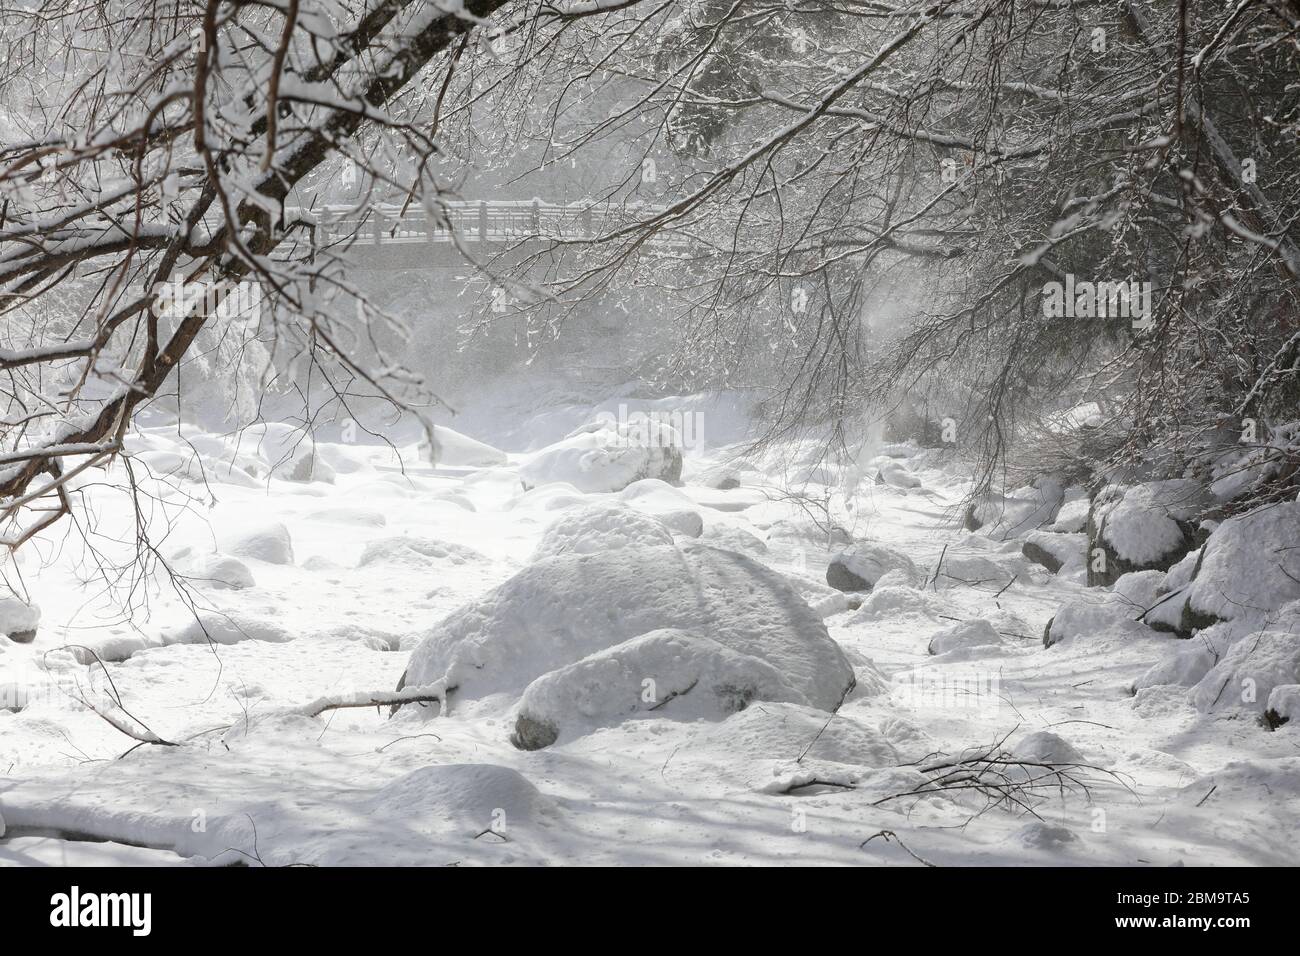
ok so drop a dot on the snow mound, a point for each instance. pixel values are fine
(561, 609)
(454, 450)
(465, 799)
(307, 466)
(608, 456)
(666, 673)
(1248, 673)
(1043, 746)
(759, 746)
(414, 552)
(1250, 565)
(896, 475)
(356, 517)
(1002, 517)
(269, 542)
(976, 632)
(554, 496)
(891, 600)
(859, 567)
(602, 527)
(1283, 704)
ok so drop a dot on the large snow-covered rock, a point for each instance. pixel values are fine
(269, 542)
(1248, 673)
(1017, 513)
(559, 610)
(605, 456)
(1249, 566)
(859, 567)
(1142, 527)
(665, 673)
(602, 527)
(215, 570)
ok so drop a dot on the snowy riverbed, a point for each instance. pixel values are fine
(338, 582)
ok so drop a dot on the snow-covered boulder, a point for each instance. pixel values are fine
(976, 632)
(410, 551)
(1249, 565)
(1002, 517)
(18, 620)
(859, 567)
(1092, 617)
(601, 527)
(1073, 516)
(608, 456)
(562, 609)
(269, 542)
(1054, 550)
(454, 450)
(665, 673)
(1141, 527)
(220, 571)
(1248, 673)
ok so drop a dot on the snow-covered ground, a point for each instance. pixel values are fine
(306, 589)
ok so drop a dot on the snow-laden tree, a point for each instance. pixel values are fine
(151, 159)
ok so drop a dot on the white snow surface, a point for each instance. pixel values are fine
(511, 593)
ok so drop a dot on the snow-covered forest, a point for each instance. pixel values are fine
(650, 432)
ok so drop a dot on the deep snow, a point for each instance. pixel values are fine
(312, 588)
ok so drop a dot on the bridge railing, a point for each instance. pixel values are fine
(500, 221)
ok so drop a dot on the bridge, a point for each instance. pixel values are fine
(387, 237)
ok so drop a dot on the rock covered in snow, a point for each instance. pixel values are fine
(1249, 566)
(1054, 550)
(860, 566)
(1142, 527)
(665, 673)
(219, 571)
(601, 527)
(976, 632)
(1073, 516)
(269, 542)
(606, 456)
(1002, 517)
(559, 610)
(1248, 673)
(18, 620)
